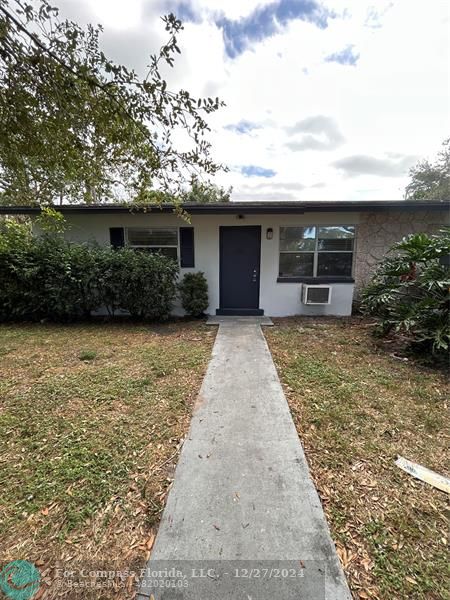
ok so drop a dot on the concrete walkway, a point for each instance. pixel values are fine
(243, 518)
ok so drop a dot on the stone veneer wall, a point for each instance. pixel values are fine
(377, 232)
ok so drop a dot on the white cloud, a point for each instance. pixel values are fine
(116, 14)
(316, 133)
(359, 165)
(394, 100)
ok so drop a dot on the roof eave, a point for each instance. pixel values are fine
(246, 208)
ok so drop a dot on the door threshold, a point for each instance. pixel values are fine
(236, 312)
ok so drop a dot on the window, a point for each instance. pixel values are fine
(335, 251)
(297, 248)
(161, 239)
(316, 251)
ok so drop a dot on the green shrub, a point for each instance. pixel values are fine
(194, 293)
(409, 292)
(145, 283)
(48, 278)
(86, 355)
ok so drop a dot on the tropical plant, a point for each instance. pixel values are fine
(194, 293)
(409, 292)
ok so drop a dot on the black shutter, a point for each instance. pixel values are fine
(116, 237)
(187, 247)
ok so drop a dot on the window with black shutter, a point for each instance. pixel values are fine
(187, 259)
(116, 237)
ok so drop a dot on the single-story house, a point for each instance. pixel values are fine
(272, 258)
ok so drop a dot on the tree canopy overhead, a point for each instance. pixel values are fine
(206, 193)
(431, 181)
(77, 127)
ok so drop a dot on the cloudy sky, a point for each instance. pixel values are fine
(326, 100)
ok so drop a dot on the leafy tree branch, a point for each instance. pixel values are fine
(77, 127)
(431, 181)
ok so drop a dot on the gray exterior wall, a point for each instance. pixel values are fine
(377, 232)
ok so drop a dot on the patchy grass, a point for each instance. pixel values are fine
(88, 355)
(356, 408)
(87, 447)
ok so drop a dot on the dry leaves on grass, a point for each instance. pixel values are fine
(127, 414)
(356, 409)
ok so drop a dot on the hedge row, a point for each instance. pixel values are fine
(49, 278)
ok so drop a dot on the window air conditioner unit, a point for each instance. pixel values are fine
(316, 294)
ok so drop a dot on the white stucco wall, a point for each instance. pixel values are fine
(276, 299)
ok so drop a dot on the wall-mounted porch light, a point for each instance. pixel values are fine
(269, 233)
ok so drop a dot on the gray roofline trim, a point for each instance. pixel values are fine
(245, 208)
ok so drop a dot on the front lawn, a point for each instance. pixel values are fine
(356, 408)
(91, 419)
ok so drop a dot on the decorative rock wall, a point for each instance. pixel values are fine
(378, 231)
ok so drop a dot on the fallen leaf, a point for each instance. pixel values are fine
(130, 582)
(149, 543)
(342, 553)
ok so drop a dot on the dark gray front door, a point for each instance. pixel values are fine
(240, 251)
